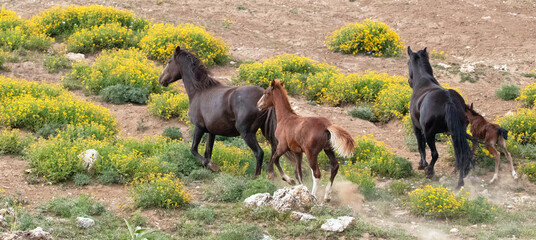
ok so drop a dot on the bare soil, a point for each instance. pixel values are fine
(488, 33)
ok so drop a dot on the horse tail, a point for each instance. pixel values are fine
(503, 133)
(455, 119)
(341, 141)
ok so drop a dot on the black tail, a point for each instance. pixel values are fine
(502, 132)
(455, 119)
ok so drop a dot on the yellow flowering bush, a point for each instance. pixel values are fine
(160, 191)
(521, 124)
(168, 105)
(107, 36)
(436, 202)
(296, 71)
(376, 156)
(528, 95)
(128, 67)
(232, 160)
(12, 141)
(360, 174)
(30, 105)
(161, 40)
(370, 37)
(393, 101)
(63, 21)
(529, 169)
(16, 33)
(13, 87)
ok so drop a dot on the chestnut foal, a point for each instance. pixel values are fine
(309, 135)
(493, 135)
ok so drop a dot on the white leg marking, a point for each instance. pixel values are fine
(328, 192)
(495, 177)
(514, 174)
(315, 186)
(286, 178)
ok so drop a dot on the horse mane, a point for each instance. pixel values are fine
(283, 97)
(196, 68)
(425, 63)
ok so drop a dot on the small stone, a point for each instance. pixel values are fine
(83, 222)
(337, 225)
(266, 237)
(301, 216)
(89, 157)
(28, 171)
(75, 57)
(232, 62)
(257, 200)
(454, 230)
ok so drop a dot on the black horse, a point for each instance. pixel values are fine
(217, 109)
(435, 109)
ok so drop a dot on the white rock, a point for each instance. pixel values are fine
(467, 68)
(76, 57)
(2, 221)
(89, 157)
(301, 216)
(501, 67)
(337, 225)
(83, 222)
(266, 237)
(36, 234)
(257, 200)
(287, 198)
(444, 65)
(454, 230)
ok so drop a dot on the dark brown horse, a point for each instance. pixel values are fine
(309, 135)
(216, 109)
(492, 135)
(434, 110)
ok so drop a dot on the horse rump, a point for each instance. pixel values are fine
(503, 133)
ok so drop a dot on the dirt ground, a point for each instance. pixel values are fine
(496, 35)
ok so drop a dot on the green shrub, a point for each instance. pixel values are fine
(17, 33)
(528, 95)
(371, 38)
(363, 112)
(54, 63)
(179, 160)
(521, 124)
(225, 188)
(399, 187)
(81, 179)
(122, 94)
(259, 185)
(107, 36)
(529, 169)
(201, 213)
(507, 92)
(129, 67)
(63, 21)
(297, 72)
(161, 40)
(360, 174)
(201, 174)
(12, 141)
(160, 191)
(240, 231)
(233, 160)
(65, 207)
(109, 177)
(393, 101)
(169, 105)
(479, 211)
(379, 159)
(173, 133)
(75, 79)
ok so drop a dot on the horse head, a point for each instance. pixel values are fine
(418, 63)
(267, 99)
(172, 70)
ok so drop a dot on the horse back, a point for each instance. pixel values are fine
(428, 110)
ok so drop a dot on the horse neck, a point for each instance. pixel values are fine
(425, 76)
(477, 122)
(282, 105)
(192, 85)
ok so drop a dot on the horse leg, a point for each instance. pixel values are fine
(208, 152)
(334, 169)
(315, 169)
(196, 139)
(284, 176)
(497, 155)
(282, 149)
(421, 143)
(502, 145)
(430, 139)
(251, 141)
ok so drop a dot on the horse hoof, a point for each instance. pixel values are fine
(327, 199)
(213, 167)
(421, 167)
(292, 182)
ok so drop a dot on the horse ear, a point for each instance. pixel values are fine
(273, 83)
(178, 50)
(409, 51)
(424, 50)
(283, 83)
(471, 106)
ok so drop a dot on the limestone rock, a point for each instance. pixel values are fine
(301, 216)
(337, 225)
(83, 222)
(258, 200)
